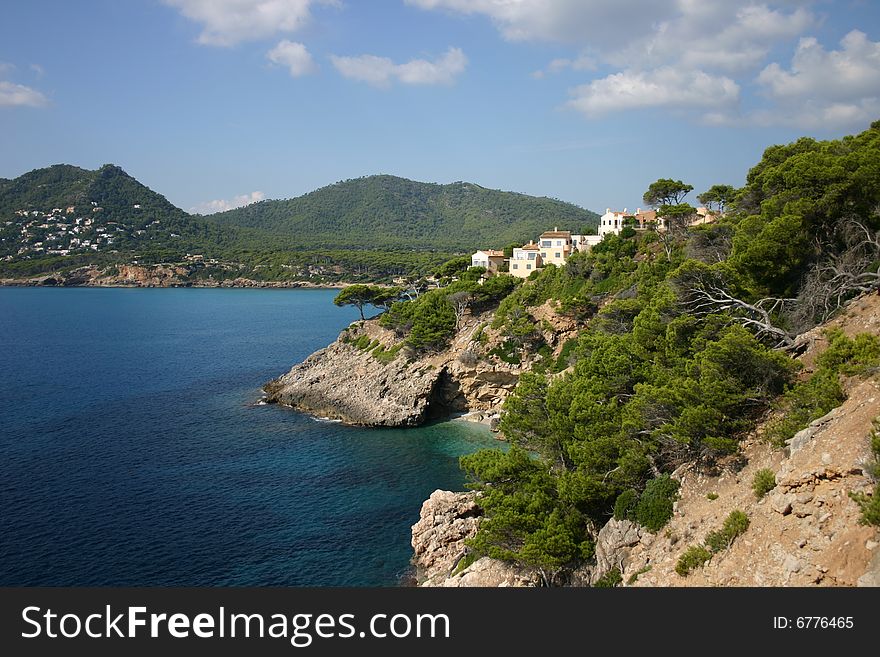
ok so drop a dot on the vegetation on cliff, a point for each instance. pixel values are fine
(683, 350)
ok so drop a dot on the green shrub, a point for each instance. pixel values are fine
(361, 342)
(464, 562)
(734, 525)
(712, 496)
(433, 322)
(384, 355)
(763, 482)
(870, 504)
(654, 508)
(625, 504)
(850, 355)
(609, 580)
(811, 399)
(804, 402)
(635, 576)
(694, 557)
(508, 352)
(566, 355)
(480, 334)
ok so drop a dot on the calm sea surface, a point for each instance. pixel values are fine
(131, 451)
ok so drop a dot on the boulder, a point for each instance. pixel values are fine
(446, 520)
(614, 545)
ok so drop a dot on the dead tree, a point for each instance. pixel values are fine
(846, 272)
(460, 301)
(702, 291)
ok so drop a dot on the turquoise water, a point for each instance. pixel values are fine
(133, 452)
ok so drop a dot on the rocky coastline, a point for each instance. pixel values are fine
(804, 532)
(367, 378)
(153, 276)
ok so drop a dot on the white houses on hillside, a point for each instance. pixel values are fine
(613, 222)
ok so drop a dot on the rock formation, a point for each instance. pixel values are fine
(447, 519)
(345, 383)
(348, 382)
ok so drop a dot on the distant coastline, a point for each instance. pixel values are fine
(233, 284)
(164, 275)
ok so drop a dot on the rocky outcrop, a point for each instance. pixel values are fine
(613, 546)
(346, 383)
(486, 572)
(446, 521)
(805, 532)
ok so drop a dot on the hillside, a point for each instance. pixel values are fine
(381, 212)
(62, 218)
(66, 211)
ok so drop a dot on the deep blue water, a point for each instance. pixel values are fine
(132, 453)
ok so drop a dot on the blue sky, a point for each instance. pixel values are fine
(215, 103)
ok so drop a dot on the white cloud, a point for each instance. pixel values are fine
(381, 71)
(18, 95)
(676, 54)
(295, 56)
(665, 87)
(822, 89)
(852, 73)
(39, 70)
(6, 67)
(228, 22)
(222, 205)
(729, 35)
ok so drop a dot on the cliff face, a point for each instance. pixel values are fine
(804, 532)
(360, 385)
(342, 382)
(446, 521)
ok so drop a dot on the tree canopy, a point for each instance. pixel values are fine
(718, 196)
(666, 191)
(364, 295)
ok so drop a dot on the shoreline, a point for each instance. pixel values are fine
(250, 285)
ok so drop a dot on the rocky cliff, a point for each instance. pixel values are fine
(366, 377)
(446, 521)
(804, 532)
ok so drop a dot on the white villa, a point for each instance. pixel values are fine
(613, 221)
(525, 260)
(489, 259)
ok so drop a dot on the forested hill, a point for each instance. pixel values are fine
(387, 212)
(64, 185)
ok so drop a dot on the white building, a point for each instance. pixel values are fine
(525, 260)
(555, 246)
(490, 259)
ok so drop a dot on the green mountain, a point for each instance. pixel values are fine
(64, 210)
(110, 188)
(62, 217)
(386, 212)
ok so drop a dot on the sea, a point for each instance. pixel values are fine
(135, 450)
